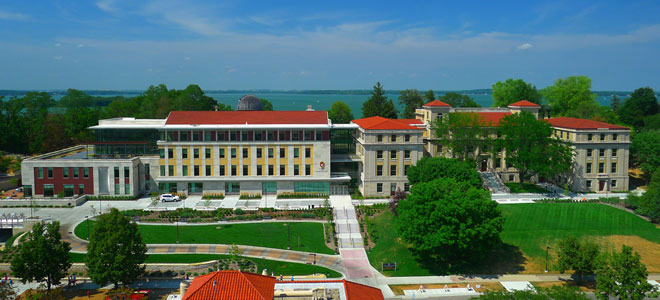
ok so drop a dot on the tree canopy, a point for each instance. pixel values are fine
(648, 204)
(432, 168)
(577, 255)
(378, 104)
(463, 134)
(449, 221)
(340, 113)
(43, 257)
(641, 104)
(429, 96)
(622, 275)
(514, 90)
(645, 151)
(266, 105)
(556, 292)
(572, 97)
(116, 252)
(458, 100)
(531, 148)
(412, 100)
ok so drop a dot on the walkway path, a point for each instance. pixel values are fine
(351, 245)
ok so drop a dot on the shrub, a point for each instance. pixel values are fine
(302, 195)
(213, 196)
(238, 212)
(307, 215)
(246, 196)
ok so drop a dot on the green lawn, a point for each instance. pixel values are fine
(526, 188)
(278, 267)
(267, 234)
(528, 229)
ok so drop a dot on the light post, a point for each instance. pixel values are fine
(314, 254)
(546, 258)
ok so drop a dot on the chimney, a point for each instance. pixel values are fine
(309, 107)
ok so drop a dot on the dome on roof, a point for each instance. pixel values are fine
(249, 102)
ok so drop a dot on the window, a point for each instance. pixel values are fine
(170, 153)
(406, 187)
(65, 173)
(207, 153)
(296, 152)
(117, 189)
(245, 171)
(393, 138)
(197, 136)
(76, 172)
(50, 172)
(221, 136)
(308, 170)
(601, 152)
(244, 135)
(282, 170)
(207, 136)
(589, 152)
(86, 172)
(406, 154)
(195, 153)
(170, 170)
(319, 135)
(222, 152)
(233, 152)
(127, 172)
(308, 135)
(48, 190)
(296, 170)
(233, 170)
(407, 137)
(271, 135)
(512, 177)
(116, 172)
(589, 183)
(184, 153)
(308, 152)
(258, 136)
(271, 152)
(208, 170)
(380, 138)
(259, 170)
(162, 170)
(81, 189)
(379, 170)
(393, 170)
(40, 173)
(259, 152)
(127, 188)
(245, 152)
(379, 154)
(196, 170)
(282, 153)
(184, 170)
(68, 190)
(295, 136)
(498, 163)
(613, 168)
(588, 167)
(183, 135)
(602, 136)
(561, 134)
(590, 137)
(222, 170)
(601, 168)
(393, 154)
(614, 152)
(147, 171)
(379, 188)
(615, 137)
(613, 183)
(162, 153)
(271, 170)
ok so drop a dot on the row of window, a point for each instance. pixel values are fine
(49, 190)
(601, 152)
(233, 153)
(233, 170)
(590, 137)
(127, 172)
(612, 184)
(379, 170)
(66, 172)
(601, 168)
(245, 135)
(379, 188)
(393, 154)
(393, 138)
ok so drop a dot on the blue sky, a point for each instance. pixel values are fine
(118, 44)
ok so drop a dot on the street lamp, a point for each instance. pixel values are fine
(546, 258)
(314, 254)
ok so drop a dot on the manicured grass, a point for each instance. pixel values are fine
(277, 267)
(526, 188)
(268, 234)
(10, 241)
(528, 228)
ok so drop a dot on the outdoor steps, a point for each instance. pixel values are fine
(493, 183)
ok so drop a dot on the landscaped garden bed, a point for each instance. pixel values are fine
(225, 214)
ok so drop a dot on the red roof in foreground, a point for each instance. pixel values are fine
(231, 285)
(241, 117)
(585, 124)
(354, 291)
(437, 103)
(524, 103)
(380, 123)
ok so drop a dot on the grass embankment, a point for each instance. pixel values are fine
(528, 229)
(515, 188)
(270, 234)
(277, 267)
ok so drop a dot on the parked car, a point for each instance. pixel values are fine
(169, 198)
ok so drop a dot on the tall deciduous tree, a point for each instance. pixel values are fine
(429, 96)
(266, 105)
(649, 203)
(378, 104)
(641, 104)
(530, 147)
(556, 292)
(340, 113)
(514, 90)
(43, 257)
(572, 97)
(412, 100)
(432, 168)
(645, 151)
(463, 134)
(577, 255)
(622, 275)
(450, 221)
(116, 252)
(458, 100)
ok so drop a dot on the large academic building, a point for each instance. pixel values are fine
(272, 152)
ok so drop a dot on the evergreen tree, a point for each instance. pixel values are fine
(412, 100)
(614, 104)
(429, 96)
(379, 105)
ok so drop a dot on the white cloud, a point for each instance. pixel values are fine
(184, 14)
(12, 16)
(59, 57)
(107, 5)
(58, 44)
(525, 46)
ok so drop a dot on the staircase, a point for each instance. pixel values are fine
(494, 183)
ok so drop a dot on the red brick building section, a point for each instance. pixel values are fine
(58, 181)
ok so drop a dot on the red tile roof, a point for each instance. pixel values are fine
(581, 124)
(231, 285)
(380, 123)
(437, 103)
(524, 103)
(354, 291)
(241, 117)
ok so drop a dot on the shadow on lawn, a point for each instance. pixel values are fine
(508, 259)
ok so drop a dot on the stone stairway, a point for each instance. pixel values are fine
(494, 183)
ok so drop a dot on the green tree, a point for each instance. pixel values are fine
(607, 115)
(340, 113)
(458, 100)
(622, 275)
(463, 134)
(530, 147)
(645, 151)
(412, 100)
(432, 168)
(577, 255)
(379, 105)
(615, 103)
(652, 122)
(435, 217)
(7, 292)
(514, 90)
(556, 292)
(572, 97)
(266, 105)
(75, 99)
(429, 96)
(649, 203)
(225, 107)
(641, 104)
(116, 252)
(43, 257)
(192, 98)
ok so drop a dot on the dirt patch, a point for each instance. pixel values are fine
(101, 294)
(649, 251)
(484, 286)
(587, 287)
